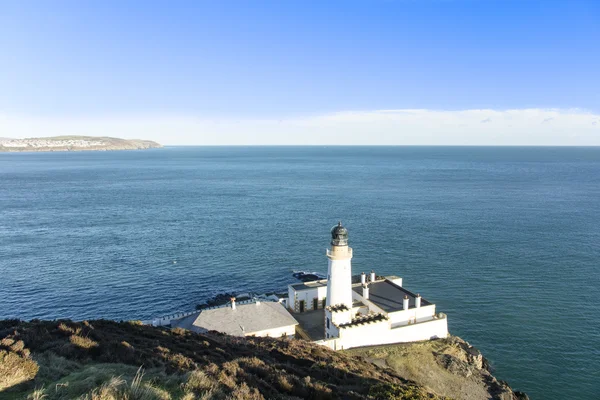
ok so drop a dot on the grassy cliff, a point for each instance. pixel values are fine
(101, 360)
(449, 367)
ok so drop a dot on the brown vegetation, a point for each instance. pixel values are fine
(101, 360)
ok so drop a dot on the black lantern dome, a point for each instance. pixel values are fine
(339, 235)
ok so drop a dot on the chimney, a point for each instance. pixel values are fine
(405, 303)
(363, 278)
(372, 276)
(365, 291)
(418, 301)
(233, 303)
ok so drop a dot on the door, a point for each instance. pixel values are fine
(315, 303)
(301, 305)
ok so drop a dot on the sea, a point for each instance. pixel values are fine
(505, 240)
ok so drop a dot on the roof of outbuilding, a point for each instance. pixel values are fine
(309, 285)
(244, 320)
(389, 296)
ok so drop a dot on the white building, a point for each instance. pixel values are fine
(341, 312)
(252, 319)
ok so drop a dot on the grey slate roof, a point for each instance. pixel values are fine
(244, 320)
(389, 296)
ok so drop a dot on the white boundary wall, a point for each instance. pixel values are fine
(287, 331)
(382, 333)
(420, 314)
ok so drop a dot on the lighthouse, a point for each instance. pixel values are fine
(338, 310)
(361, 310)
(339, 270)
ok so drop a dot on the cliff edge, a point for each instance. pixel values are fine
(102, 360)
(448, 367)
(75, 143)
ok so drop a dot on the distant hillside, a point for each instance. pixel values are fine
(75, 143)
(101, 360)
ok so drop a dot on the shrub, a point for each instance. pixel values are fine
(65, 329)
(83, 342)
(244, 392)
(285, 384)
(15, 369)
(37, 394)
(388, 391)
(53, 367)
(117, 388)
(198, 382)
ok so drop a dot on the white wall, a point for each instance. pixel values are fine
(332, 330)
(382, 333)
(289, 330)
(331, 343)
(396, 281)
(307, 295)
(291, 298)
(341, 317)
(420, 314)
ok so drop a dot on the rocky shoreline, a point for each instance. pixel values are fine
(74, 143)
(450, 368)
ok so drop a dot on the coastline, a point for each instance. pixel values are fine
(74, 143)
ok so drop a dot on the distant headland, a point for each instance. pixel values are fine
(74, 143)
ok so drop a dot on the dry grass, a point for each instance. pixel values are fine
(199, 383)
(37, 394)
(16, 365)
(83, 342)
(98, 360)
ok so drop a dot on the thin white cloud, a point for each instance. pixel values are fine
(379, 127)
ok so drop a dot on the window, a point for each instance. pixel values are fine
(327, 322)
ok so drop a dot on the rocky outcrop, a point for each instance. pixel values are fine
(447, 367)
(75, 143)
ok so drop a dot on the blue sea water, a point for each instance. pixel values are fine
(505, 240)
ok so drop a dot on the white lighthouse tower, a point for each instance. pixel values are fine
(339, 271)
(339, 281)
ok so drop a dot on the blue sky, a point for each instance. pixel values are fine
(231, 61)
